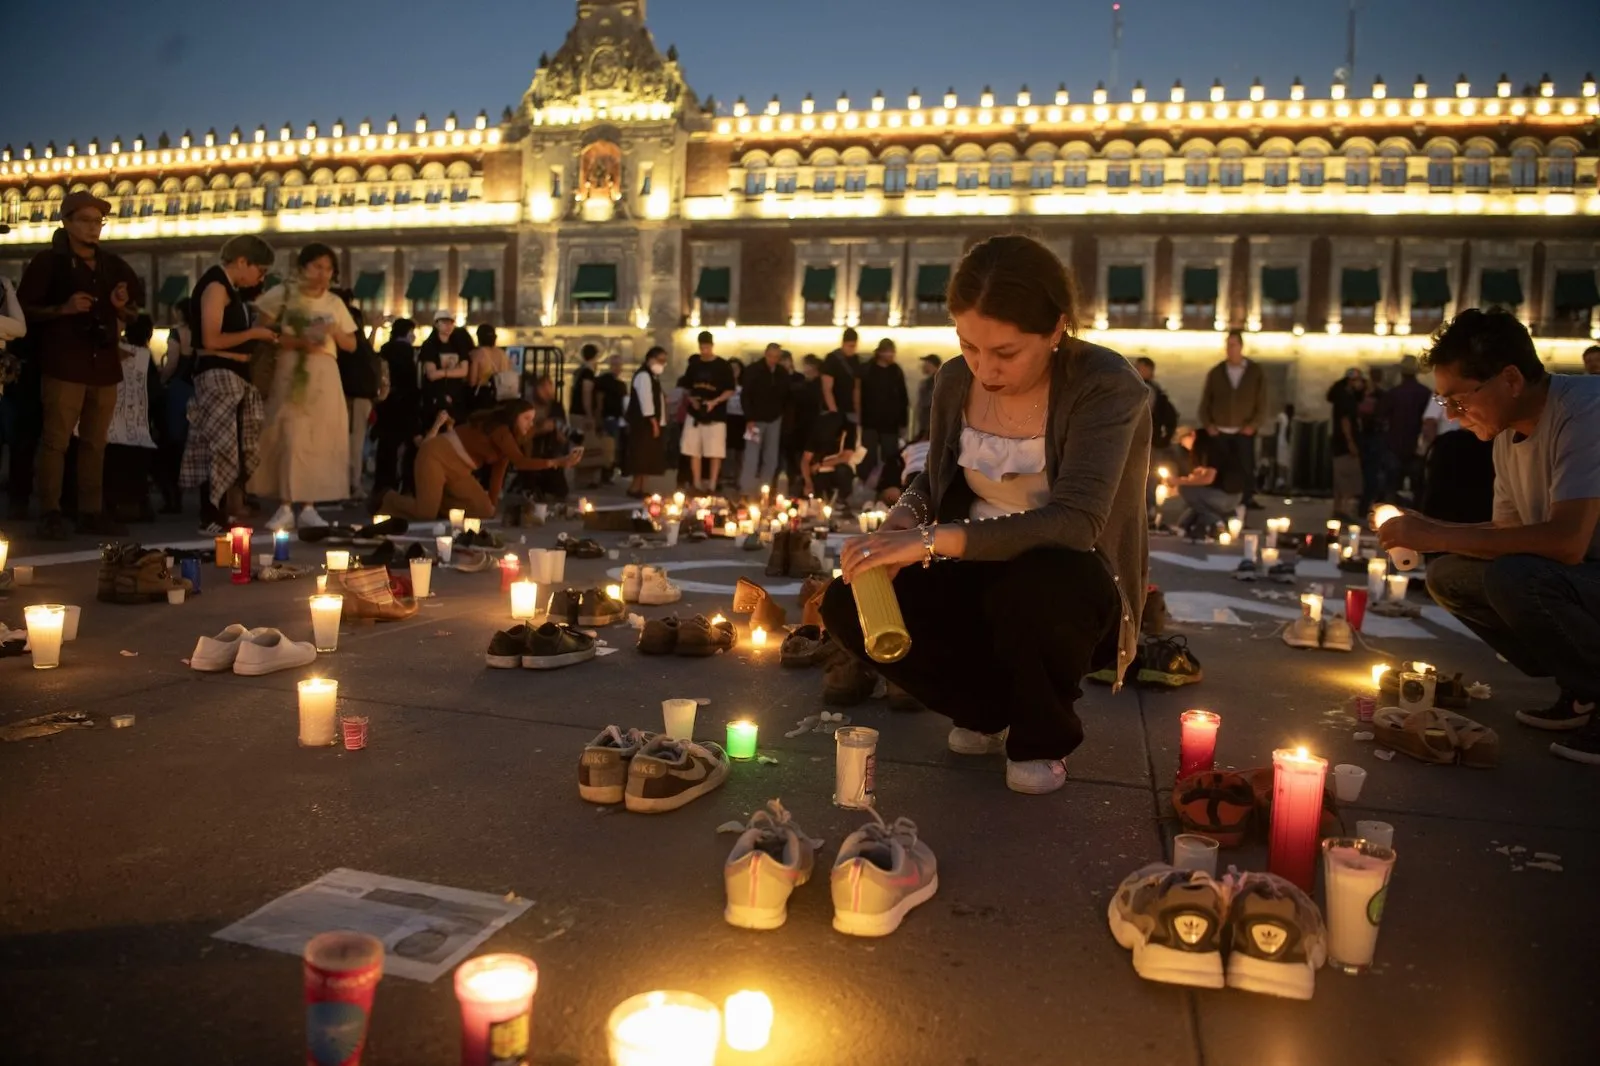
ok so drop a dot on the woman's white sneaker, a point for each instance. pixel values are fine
(1035, 777)
(282, 518)
(310, 519)
(972, 742)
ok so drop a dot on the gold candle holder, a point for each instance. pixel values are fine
(883, 628)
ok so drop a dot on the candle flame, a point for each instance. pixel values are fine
(1300, 752)
(614, 591)
(758, 636)
(1422, 668)
(1378, 671)
(1383, 514)
(717, 620)
(1163, 472)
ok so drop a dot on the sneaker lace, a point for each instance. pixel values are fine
(776, 818)
(902, 829)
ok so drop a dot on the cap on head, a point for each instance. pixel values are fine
(76, 201)
(932, 360)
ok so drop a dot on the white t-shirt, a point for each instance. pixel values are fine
(130, 421)
(305, 314)
(1560, 461)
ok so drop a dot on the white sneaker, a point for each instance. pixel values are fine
(1035, 777)
(972, 742)
(266, 651)
(310, 519)
(771, 858)
(215, 654)
(882, 871)
(655, 589)
(282, 518)
(630, 583)
(1303, 633)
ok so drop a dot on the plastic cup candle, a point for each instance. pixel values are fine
(747, 1021)
(1334, 553)
(458, 519)
(758, 638)
(341, 973)
(1197, 741)
(1191, 851)
(325, 614)
(1379, 833)
(742, 739)
(615, 592)
(496, 996)
(45, 622)
(1224, 539)
(1311, 604)
(322, 583)
(1269, 557)
(1356, 883)
(71, 616)
(280, 546)
(664, 1029)
(421, 578)
(1333, 529)
(1347, 781)
(524, 600)
(1403, 558)
(1296, 813)
(1399, 585)
(1235, 527)
(338, 560)
(1377, 570)
(472, 525)
(510, 570)
(678, 498)
(678, 718)
(319, 700)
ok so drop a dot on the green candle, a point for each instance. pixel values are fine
(741, 740)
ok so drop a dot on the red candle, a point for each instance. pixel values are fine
(1297, 783)
(510, 570)
(1197, 745)
(496, 995)
(239, 537)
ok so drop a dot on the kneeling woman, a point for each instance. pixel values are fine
(1019, 554)
(448, 462)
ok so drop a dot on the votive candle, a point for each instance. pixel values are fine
(510, 570)
(747, 1020)
(742, 739)
(338, 560)
(1235, 527)
(758, 637)
(496, 997)
(280, 546)
(472, 525)
(664, 1029)
(1269, 557)
(45, 622)
(1311, 603)
(1224, 539)
(1377, 570)
(319, 699)
(458, 519)
(524, 600)
(1297, 784)
(1197, 741)
(1399, 585)
(325, 614)
(239, 542)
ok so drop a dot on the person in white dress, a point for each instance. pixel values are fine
(305, 443)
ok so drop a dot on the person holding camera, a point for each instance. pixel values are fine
(76, 296)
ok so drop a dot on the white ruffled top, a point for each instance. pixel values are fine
(1006, 474)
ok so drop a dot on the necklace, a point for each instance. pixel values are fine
(1015, 425)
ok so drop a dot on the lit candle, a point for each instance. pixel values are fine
(325, 614)
(766, 490)
(444, 545)
(1399, 585)
(1311, 603)
(1333, 529)
(615, 592)
(280, 546)
(472, 525)
(1349, 552)
(1377, 570)
(239, 542)
(524, 600)
(864, 521)
(674, 511)
(1197, 741)
(1235, 527)
(741, 740)
(1297, 784)
(1269, 557)
(1250, 546)
(758, 638)
(588, 508)
(379, 519)
(496, 996)
(1224, 539)
(1421, 667)
(678, 498)
(1334, 553)
(5, 549)
(664, 1029)
(1272, 532)
(747, 1021)
(1163, 473)
(45, 622)
(1161, 494)
(338, 559)
(1404, 558)
(510, 570)
(777, 525)
(319, 698)
(1377, 674)
(717, 620)
(421, 578)
(458, 519)
(730, 528)
(747, 527)
(322, 583)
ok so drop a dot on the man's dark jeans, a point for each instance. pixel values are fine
(1543, 616)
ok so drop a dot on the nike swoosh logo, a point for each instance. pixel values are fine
(696, 772)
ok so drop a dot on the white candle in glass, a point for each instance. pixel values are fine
(1377, 570)
(325, 614)
(319, 700)
(664, 1029)
(1235, 527)
(444, 545)
(472, 525)
(1399, 585)
(421, 578)
(1404, 558)
(45, 622)
(1224, 539)
(1269, 557)
(747, 1020)
(5, 550)
(338, 559)
(524, 600)
(1312, 604)
(458, 519)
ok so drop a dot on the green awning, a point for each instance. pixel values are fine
(1501, 288)
(817, 288)
(1280, 285)
(478, 285)
(873, 288)
(1125, 284)
(424, 286)
(1575, 290)
(933, 279)
(1199, 285)
(174, 287)
(1359, 288)
(1430, 288)
(595, 282)
(715, 285)
(368, 285)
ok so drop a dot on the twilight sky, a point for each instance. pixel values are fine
(176, 64)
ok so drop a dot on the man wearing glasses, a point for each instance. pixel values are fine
(77, 296)
(1528, 581)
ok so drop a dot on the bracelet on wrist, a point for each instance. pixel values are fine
(928, 554)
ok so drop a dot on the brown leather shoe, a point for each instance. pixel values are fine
(811, 593)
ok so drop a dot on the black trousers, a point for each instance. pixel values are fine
(1234, 456)
(394, 460)
(999, 644)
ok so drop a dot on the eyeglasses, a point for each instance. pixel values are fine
(1456, 405)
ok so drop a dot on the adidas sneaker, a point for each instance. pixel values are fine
(1172, 921)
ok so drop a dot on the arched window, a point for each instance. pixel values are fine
(894, 175)
(1041, 171)
(1275, 171)
(1000, 172)
(1475, 169)
(1119, 171)
(1357, 168)
(1230, 171)
(1559, 171)
(1441, 168)
(755, 178)
(1524, 167)
(1075, 172)
(1392, 168)
(1197, 169)
(1152, 172)
(1312, 169)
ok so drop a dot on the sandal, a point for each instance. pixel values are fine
(1437, 736)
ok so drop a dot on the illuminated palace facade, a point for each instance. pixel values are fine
(612, 205)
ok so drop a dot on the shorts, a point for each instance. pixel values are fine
(1346, 475)
(704, 440)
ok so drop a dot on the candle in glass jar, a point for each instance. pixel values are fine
(1269, 557)
(45, 623)
(741, 740)
(524, 600)
(5, 549)
(458, 519)
(472, 525)
(664, 1029)
(338, 559)
(1311, 604)
(510, 570)
(730, 528)
(1377, 674)
(319, 700)
(239, 541)
(758, 638)
(280, 546)
(1235, 527)
(1224, 539)
(325, 614)
(747, 1021)
(1197, 741)
(1399, 585)
(1377, 570)
(678, 498)
(496, 997)
(1297, 785)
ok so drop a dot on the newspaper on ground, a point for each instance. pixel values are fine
(426, 929)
